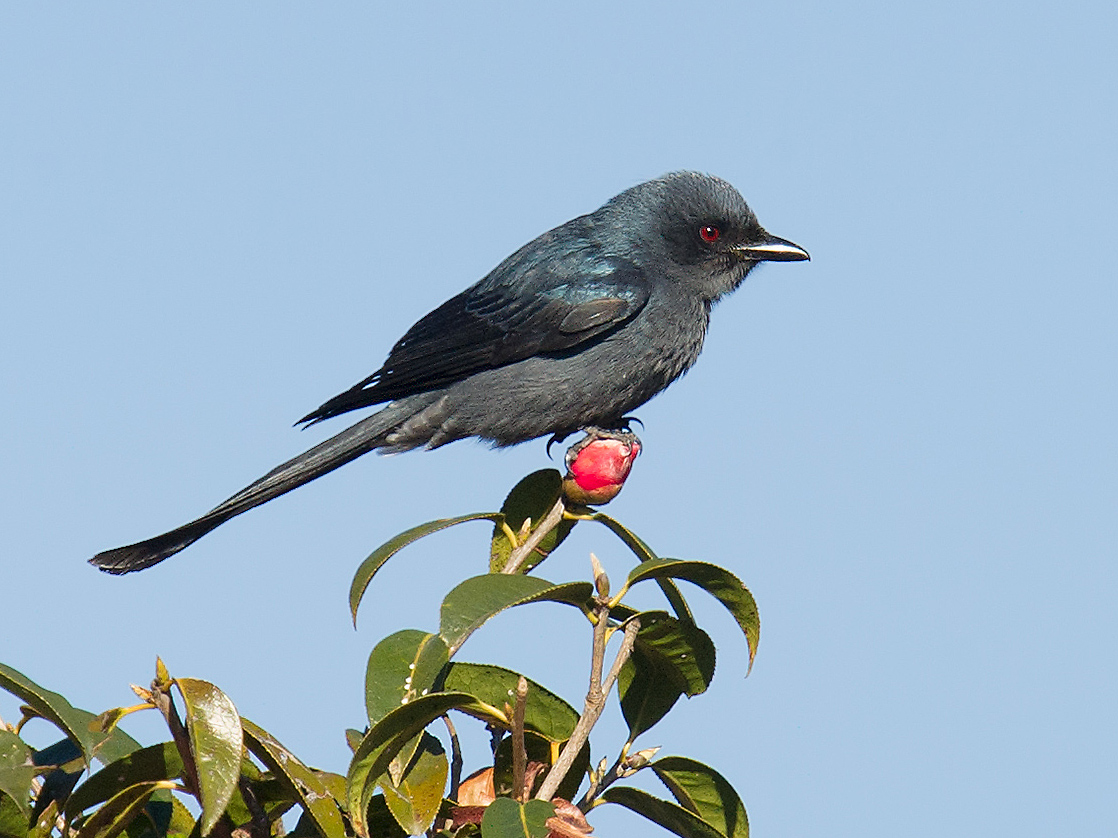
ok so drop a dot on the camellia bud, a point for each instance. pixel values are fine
(598, 465)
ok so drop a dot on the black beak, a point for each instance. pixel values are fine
(772, 249)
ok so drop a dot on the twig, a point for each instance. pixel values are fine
(595, 696)
(519, 753)
(626, 765)
(258, 826)
(455, 758)
(161, 697)
(521, 552)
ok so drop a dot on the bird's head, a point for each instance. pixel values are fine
(698, 230)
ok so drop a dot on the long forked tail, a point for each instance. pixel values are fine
(365, 436)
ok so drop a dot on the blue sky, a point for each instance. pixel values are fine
(216, 217)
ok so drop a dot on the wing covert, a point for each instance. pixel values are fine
(493, 324)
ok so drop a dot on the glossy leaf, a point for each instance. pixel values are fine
(705, 792)
(681, 650)
(216, 741)
(544, 711)
(716, 581)
(151, 764)
(306, 785)
(16, 771)
(477, 599)
(401, 667)
(387, 737)
(414, 801)
(670, 658)
(69, 719)
(644, 553)
(505, 818)
(119, 811)
(672, 817)
(533, 497)
(645, 698)
(382, 554)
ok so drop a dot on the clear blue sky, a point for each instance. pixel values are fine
(215, 216)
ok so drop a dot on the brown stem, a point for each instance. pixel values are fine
(595, 697)
(455, 759)
(549, 522)
(258, 826)
(161, 696)
(519, 752)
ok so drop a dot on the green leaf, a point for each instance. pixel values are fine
(163, 817)
(414, 801)
(64, 766)
(670, 658)
(381, 823)
(668, 815)
(385, 739)
(645, 698)
(544, 711)
(477, 599)
(644, 553)
(16, 771)
(335, 786)
(378, 557)
(70, 720)
(151, 764)
(680, 650)
(216, 741)
(353, 738)
(705, 792)
(13, 823)
(716, 581)
(306, 785)
(505, 818)
(112, 818)
(401, 667)
(533, 497)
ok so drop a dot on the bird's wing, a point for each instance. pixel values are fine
(490, 326)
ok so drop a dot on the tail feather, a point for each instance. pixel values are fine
(365, 436)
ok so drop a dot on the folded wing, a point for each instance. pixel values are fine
(490, 325)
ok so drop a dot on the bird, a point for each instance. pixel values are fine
(576, 329)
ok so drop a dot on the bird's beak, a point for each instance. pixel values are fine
(772, 249)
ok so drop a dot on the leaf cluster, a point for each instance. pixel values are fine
(220, 774)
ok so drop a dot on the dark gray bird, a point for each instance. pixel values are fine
(576, 329)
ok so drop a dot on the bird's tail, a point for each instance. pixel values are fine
(365, 436)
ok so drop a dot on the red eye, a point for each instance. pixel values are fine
(709, 233)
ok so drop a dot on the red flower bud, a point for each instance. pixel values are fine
(598, 466)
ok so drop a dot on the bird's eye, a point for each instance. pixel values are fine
(709, 233)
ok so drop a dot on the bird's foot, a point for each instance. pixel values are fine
(598, 465)
(622, 432)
